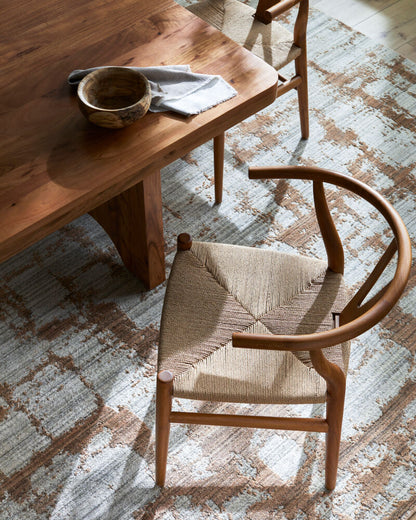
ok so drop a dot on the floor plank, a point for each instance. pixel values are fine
(393, 26)
(409, 51)
(389, 22)
(352, 12)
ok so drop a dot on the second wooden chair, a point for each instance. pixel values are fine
(268, 40)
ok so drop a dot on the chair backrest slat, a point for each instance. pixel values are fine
(354, 307)
(332, 241)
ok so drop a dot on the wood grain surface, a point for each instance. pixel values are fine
(54, 165)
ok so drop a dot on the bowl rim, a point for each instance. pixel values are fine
(89, 77)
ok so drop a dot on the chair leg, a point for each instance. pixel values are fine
(163, 409)
(218, 166)
(302, 71)
(334, 415)
(335, 396)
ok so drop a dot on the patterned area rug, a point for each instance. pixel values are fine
(79, 334)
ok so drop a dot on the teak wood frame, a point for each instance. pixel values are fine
(350, 323)
(266, 11)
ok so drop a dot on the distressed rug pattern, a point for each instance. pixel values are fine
(79, 334)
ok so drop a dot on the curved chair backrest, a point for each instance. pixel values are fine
(356, 317)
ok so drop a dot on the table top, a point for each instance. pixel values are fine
(54, 165)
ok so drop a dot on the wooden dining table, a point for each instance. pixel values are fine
(56, 166)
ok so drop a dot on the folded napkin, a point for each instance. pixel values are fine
(177, 88)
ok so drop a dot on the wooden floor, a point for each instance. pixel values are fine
(389, 22)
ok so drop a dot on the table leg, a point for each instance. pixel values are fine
(133, 221)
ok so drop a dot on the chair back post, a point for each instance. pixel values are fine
(301, 66)
(332, 241)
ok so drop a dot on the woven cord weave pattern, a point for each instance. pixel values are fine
(215, 290)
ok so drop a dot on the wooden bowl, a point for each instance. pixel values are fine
(114, 97)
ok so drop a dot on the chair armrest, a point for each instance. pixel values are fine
(294, 343)
(280, 8)
(267, 15)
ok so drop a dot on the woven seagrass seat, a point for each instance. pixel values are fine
(273, 43)
(252, 325)
(259, 32)
(215, 290)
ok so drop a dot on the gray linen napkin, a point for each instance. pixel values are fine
(177, 88)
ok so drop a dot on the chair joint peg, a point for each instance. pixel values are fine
(184, 242)
(165, 376)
